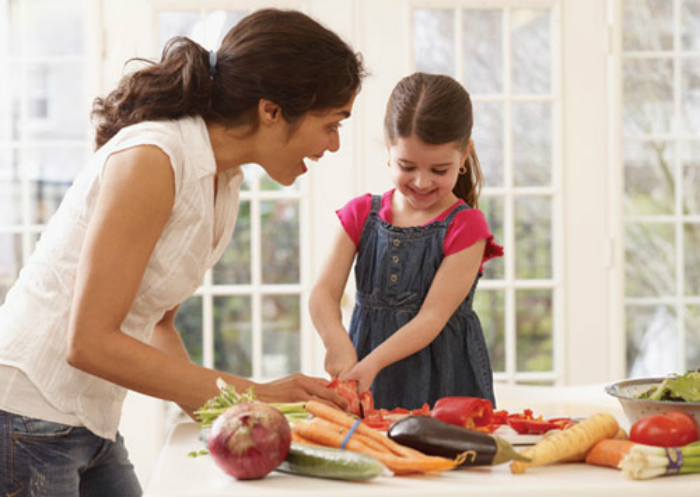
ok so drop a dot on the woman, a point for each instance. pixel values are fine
(92, 313)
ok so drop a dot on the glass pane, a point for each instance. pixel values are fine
(488, 141)
(532, 57)
(532, 144)
(690, 160)
(690, 25)
(54, 28)
(649, 183)
(280, 241)
(220, 22)
(533, 238)
(483, 50)
(534, 330)
(692, 337)
(234, 267)
(647, 25)
(54, 99)
(233, 335)
(188, 321)
(281, 339)
(6, 117)
(172, 24)
(51, 171)
(494, 211)
(690, 95)
(647, 96)
(649, 259)
(489, 305)
(434, 41)
(691, 271)
(10, 261)
(10, 188)
(652, 340)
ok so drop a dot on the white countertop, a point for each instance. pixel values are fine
(178, 475)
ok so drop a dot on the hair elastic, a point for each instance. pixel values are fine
(352, 430)
(212, 62)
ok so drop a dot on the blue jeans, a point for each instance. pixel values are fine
(41, 458)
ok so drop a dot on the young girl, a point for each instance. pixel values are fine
(420, 248)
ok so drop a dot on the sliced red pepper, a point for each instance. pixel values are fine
(473, 413)
(423, 411)
(531, 426)
(347, 390)
(367, 403)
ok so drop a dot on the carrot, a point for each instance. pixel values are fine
(369, 442)
(609, 452)
(299, 439)
(340, 418)
(320, 433)
(567, 443)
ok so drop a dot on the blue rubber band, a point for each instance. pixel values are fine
(352, 430)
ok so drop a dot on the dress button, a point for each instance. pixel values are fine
(397, 242)
(395, 259)
(393, 278)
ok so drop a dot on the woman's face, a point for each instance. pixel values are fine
(308, 138)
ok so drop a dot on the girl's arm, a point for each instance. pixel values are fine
(324, 305)
(450, 287)
(134, 204)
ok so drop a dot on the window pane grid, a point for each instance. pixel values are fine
(506, 190)
(658, 336)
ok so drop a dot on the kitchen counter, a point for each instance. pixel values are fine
(178, 475)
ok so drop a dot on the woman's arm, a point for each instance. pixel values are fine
(450, 287)
(134, 204)
(324, 305)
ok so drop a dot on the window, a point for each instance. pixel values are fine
(44, 141)
(505, 56)
(661, 143)
(246, 316)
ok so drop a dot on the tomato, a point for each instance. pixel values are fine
(671, 429)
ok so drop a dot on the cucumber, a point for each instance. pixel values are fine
(326, 462)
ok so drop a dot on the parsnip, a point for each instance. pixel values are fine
(568, 443)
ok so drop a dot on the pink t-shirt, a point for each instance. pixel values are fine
(466, 228)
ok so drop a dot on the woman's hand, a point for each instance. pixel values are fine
(363, 372)
(298, 388)
(340, 359)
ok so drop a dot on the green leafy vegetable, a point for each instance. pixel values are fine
(683, 388)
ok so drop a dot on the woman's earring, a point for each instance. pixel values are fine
(463, 169)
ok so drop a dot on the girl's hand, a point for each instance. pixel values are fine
(340, 360)
(363, 372)
(298, 388)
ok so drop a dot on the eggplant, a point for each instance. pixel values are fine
(437, 438)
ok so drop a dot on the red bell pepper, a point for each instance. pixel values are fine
(671, 429)
(473, 413)
(347, 390)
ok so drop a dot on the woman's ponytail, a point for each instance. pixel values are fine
(177, 86)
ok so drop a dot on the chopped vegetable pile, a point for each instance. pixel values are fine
(683, 388)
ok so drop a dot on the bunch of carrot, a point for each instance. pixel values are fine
(330, 427)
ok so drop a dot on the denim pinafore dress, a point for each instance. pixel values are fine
(394, 269)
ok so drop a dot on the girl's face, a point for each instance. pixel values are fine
(308, 138)
(425, 174)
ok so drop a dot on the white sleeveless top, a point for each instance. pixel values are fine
(34, 317)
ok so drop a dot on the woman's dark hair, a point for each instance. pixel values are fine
(280, 55)
(436, 109)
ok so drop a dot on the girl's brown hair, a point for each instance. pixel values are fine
(280, 55)
(436, 109)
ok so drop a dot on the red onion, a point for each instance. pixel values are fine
(249, 440)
